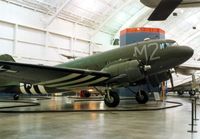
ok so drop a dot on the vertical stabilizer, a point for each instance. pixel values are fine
(6, 57)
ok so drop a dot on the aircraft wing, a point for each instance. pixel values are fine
(164, 9)
(194, 66)
(50, 76)
(188, 69)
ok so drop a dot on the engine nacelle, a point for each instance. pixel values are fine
(156, 79)
(129, 68)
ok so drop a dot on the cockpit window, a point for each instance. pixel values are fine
(164, 45)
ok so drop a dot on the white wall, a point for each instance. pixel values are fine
(24, 34)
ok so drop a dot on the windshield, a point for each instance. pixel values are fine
(164, 45)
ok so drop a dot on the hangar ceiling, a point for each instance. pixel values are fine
(106, 15)
(111, 16)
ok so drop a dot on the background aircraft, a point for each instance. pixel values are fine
(144, 62)
(163, 8)
(191, 87)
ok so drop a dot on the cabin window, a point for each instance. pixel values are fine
(163, 45)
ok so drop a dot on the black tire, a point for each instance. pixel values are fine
(180, 93)
(192, 92)
(16, 97)
(114, 102)
(142, 97)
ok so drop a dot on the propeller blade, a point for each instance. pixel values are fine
(164, 9)
(171, 81)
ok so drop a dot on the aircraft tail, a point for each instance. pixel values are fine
(6, 57)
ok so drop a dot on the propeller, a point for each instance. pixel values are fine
(164, 9)
(171, 80)
(145, 67)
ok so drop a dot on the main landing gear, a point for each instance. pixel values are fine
(191, 92)
(142, 97)
(111, 98)
(180, 93)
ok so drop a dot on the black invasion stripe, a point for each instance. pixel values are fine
(89, 80)
(37, 89)
(64, 81)
(27, 89)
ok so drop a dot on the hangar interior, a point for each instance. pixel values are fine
(49, 32)
(78, 29)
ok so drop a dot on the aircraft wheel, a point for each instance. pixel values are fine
(16, 97)
(142, 97)
(180, 93)
(112, 99)
(192, 92)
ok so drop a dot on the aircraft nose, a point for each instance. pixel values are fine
(185, 52)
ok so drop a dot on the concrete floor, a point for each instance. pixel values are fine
(163, 124)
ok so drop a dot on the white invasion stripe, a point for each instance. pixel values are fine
(68, 77)
(88, 83)
(32, 90)
(72, 82)
(22, 88)
(42, 89)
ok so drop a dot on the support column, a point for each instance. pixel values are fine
(74, 39)
(15, 39)
(71, 45)
(163, 90)
(46, 44)
(91, 48)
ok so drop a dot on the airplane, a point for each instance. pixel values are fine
(163, 8)
(192, 87)
(148, 61)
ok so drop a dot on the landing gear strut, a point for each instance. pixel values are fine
(111, 99)
(142, 97)
(16, 97)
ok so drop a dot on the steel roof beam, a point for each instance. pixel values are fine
(57, 12)
(111, 16)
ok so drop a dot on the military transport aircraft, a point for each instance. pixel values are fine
(138, 63)
(163, 8)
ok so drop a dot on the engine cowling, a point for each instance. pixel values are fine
(129, 68)
(156, 79)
